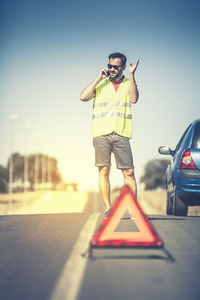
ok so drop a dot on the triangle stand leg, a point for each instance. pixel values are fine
(170, 257)
(89, 254)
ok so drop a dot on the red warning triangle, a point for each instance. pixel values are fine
(107, 236)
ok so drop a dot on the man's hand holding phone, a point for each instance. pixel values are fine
(104, 73)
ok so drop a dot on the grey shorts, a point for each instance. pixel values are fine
(119, 145)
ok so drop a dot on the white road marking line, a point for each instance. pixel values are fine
(69, 283)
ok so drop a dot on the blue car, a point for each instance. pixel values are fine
(183, 172)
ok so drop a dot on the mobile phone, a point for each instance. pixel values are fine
(108, 73)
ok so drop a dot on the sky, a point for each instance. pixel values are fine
(51, 50)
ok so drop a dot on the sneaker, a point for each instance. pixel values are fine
(106, 213)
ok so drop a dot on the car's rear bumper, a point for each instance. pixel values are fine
(189, 174)
(188, 185)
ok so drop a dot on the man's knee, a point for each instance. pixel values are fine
(104, 171)
(129, 173)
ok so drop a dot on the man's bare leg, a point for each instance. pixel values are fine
(104, 185)
(129, 179)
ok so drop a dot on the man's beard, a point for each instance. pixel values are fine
(116, 76)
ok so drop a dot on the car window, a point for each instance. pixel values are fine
(196, 137)
(182, 138)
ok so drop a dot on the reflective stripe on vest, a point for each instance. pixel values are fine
(112, 114)
(121, 104)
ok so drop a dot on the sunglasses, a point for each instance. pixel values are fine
(113, 66)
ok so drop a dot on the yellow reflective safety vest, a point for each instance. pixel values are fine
(111, 109)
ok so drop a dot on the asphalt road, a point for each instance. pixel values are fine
(41, 258)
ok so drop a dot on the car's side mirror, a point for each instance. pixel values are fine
(165, 150)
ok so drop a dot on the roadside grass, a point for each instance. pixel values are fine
(152, 202)
(156, 200)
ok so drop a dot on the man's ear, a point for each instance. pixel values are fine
(124, 67)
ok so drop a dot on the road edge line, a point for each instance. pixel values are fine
(70, 280)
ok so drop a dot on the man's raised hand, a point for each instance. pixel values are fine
(132, 68)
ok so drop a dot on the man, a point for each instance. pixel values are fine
(112, 122)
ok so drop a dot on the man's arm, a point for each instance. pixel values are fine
(89, 92)
(134, 94)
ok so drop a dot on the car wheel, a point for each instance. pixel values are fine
(169, 208)
(180, 206)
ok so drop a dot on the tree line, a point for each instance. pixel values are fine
(41, 170)
(155, 174)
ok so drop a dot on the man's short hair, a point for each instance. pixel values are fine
(118, 55)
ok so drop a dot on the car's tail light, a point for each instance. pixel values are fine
(187, 161)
